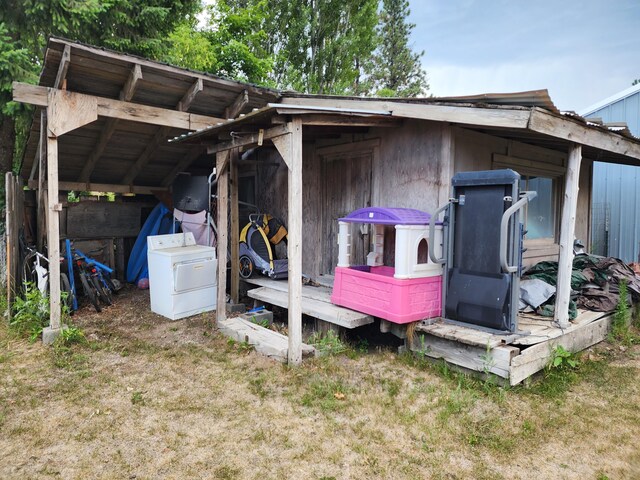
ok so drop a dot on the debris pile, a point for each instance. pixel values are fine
(595, 285)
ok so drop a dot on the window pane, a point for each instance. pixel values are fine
(540, 218)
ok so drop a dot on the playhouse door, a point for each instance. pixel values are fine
(347, 187)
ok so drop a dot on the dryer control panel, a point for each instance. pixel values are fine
(173, 240)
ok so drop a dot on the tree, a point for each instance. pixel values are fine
(398, 70)
(635, 82)
(139, 27)
(322, 46)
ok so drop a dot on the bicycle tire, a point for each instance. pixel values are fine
(90, 292)
(103, 294)
(65, 286)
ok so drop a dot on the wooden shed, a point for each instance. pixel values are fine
(332, 155)
(310, 160)
(101, 124)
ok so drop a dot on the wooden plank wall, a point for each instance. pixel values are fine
(406, 172)
(476, 151)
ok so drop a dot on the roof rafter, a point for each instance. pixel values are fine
(161, 133)
(126, 94)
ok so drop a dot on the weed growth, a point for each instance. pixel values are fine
(31, 313)
(621, 325)
(562, 359)
(328, 344)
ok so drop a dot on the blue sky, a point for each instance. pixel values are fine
(581, 51)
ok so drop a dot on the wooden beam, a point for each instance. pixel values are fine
(235, 226)
(105, 135)
(324, 120)
(67, 112)
(283, 145)
(193, 154)
(101, 187)
(190, 96)
(107, 107)
(490, 117)
(294, 243)
(547, 123)
(41, 216)
(143, 159)
(63, 67)
(168, 69)
(126, 94)
(238, 104)
(160, 135)
(53, 229)
(249, 139)
(567, 233)
(222, 159)
(129, 89)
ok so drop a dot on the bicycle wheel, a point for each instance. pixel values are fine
(65, 286)
(90, 292)
(103, 293)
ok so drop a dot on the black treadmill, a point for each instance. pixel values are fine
(483, 235)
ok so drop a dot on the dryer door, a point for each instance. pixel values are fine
(194, 274)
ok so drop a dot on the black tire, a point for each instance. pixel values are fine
(246, 266)
(90, 292)
(103, 292)
(65, 286)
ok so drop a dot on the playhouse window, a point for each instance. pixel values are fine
(540, 218)
(423, 252)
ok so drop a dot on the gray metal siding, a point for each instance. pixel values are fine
(615, 217)
(624, 110)
(616, 211)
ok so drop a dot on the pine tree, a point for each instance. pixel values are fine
(398, 70)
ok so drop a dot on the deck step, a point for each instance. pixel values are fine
(313, 307)
(265, 341)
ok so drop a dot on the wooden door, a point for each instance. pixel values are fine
(347, 187)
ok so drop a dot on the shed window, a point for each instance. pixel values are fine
(540, 219)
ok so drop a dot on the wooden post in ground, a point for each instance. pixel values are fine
(222, 175)
(53, 236)
(294, 243)
(289, 145)
(234, 238)
(8, 189)
(567, 232)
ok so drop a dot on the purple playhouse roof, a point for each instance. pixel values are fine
(388, 216)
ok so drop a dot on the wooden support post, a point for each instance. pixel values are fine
(222, 173)
(41, 219)
(294, 244)
(53, 230)
(567, 232)
(8, 189)
(235, 226)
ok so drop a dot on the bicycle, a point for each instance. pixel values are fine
(35, 272)
(95, 278)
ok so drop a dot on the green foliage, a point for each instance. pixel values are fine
(137, 398)
(562, 359)
(30, 313)
(621, 325)
(398, 70)
(71, 335)
(323, 46)
(139, 27)
(190, 48)
(328, 344)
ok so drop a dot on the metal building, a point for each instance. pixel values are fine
(615, 208)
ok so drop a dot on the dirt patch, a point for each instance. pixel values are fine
(151, 398)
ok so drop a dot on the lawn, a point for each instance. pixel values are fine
(146, 398)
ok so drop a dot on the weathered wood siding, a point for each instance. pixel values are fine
(411, 167)
(479, 151)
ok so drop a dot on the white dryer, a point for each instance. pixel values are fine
(182, 275)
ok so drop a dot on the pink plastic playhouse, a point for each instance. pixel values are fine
(405, 293)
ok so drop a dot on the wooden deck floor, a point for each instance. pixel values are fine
(511, 357)
(316, 302)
